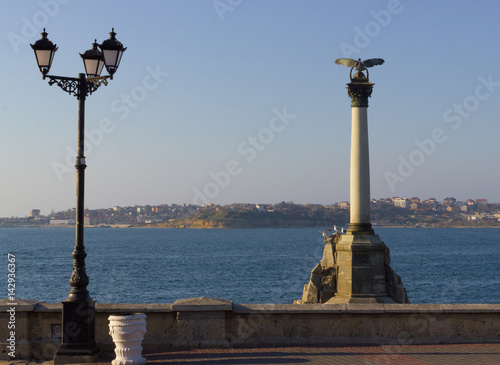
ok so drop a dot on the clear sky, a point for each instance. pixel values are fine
(240, 101)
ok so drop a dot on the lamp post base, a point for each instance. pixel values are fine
(78, 334)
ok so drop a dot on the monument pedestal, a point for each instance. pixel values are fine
(355, 268)
(361, 269)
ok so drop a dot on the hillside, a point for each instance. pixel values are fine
(254, 219)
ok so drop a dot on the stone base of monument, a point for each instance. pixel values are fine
(355, 268)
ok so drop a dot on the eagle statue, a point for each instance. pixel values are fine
(359, 65)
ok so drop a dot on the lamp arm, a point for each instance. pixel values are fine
(93, 83)
(71, 85)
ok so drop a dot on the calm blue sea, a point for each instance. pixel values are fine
(246, 265)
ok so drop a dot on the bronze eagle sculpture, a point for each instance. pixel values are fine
(360, 65)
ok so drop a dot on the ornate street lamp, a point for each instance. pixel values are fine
(112, 51)
(78, 316)
(93, 61)
(44, 53)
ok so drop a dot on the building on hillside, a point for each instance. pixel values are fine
(35, 213)
(344, 205)
(401, 202)
(260, 208)
(61, 222)
(414, 206)
(481, 201)
(93, 220)
(449, 201)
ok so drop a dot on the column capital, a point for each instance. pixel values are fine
(359, 90)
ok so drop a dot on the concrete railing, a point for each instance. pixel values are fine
(208, 322)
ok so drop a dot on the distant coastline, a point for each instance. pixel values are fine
(223, 226)
(390, 213)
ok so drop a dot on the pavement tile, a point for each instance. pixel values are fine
(466, 354)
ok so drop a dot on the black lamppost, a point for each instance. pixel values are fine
(78, 316)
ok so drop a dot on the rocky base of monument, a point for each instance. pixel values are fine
(394, 285)
(322, 285)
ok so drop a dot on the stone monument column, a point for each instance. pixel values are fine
(363, 271)
(360, 89)
(356, 265)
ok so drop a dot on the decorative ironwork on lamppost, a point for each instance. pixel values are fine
(78, 317)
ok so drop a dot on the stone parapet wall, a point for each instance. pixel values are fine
(207, 322)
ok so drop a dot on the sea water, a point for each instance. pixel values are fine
(437, 265)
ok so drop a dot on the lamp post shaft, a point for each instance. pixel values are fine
(79, 279)
(80, 167)
(78, 343)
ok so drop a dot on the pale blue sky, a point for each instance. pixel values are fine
(201, 82)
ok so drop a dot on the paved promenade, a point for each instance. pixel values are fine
(467, 354)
